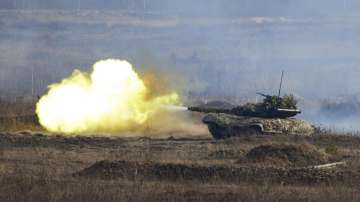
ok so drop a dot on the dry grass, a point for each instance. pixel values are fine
(41, 168)
(45, 189)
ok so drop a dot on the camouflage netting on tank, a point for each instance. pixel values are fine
(267, 108)
(232, 125)
(270, 102)
(287, 102)
(287, 126)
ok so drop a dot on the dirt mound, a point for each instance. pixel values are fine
(296, 155)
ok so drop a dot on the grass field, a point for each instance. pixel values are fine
(37, 167)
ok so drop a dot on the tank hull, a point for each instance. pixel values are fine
(223, 125)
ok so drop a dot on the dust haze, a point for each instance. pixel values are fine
(209, 50)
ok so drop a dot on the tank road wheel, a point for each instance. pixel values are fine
(245, 131)
(218, 132)
(252, 130)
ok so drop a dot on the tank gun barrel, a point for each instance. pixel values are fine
(209, 110)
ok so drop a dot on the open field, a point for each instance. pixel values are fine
(35, 167)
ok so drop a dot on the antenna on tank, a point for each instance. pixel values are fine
(281, 81)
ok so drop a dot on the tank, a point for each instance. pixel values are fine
(272, 116)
